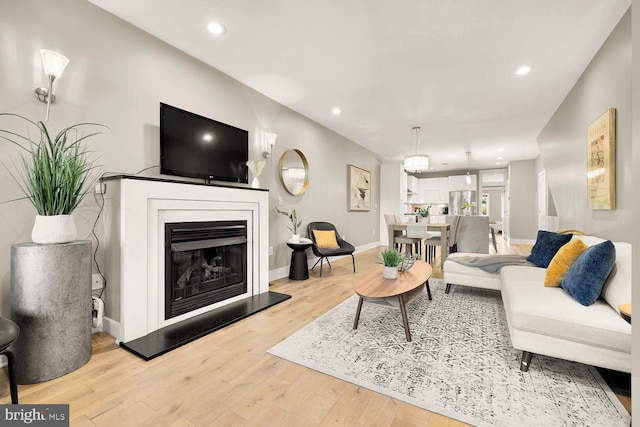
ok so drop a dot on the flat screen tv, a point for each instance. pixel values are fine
(199, 147)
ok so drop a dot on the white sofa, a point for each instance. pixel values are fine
(546, 320)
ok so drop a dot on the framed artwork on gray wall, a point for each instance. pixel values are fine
(601, 161)
(359, 189)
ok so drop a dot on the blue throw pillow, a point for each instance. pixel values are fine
(547, 244)
(585, 278)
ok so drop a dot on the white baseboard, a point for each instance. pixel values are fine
(522, 241)
(112, 328)
(279, 273)
(368, 246)
(282, 272)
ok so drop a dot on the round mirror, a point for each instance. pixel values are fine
(294, 172)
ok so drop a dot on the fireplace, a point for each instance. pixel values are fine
(205, 262)
(137, 210)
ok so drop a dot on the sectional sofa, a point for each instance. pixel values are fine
(548, 321)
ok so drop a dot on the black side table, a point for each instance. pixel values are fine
(299, 269)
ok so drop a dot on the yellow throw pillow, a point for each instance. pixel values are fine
(326, 239)
(562, 260)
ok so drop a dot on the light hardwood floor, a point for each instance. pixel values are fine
(228, 379)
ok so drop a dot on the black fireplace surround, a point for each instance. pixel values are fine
(205, 262)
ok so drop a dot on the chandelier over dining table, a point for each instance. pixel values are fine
(416, 163)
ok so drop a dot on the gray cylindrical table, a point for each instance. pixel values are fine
(51, 302)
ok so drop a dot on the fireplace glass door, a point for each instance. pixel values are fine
(205, 262)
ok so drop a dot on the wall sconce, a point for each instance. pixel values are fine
(53, 64)
(269, 140)
(467, 178)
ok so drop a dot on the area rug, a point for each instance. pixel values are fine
(460, 363)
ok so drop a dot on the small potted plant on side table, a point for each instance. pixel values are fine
(391, 260)
(295, 223)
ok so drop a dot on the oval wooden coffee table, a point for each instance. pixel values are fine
(396, 293)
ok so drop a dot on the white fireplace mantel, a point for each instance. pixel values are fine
(136, 209)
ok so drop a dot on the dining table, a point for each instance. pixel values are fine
(443, 228)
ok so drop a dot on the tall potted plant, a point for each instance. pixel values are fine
(54, 173)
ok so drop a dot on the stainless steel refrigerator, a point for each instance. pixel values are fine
(458, 198)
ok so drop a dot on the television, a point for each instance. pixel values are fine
(198, 147)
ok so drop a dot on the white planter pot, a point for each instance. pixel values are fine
(295, 238)
(390, 272)
(255, 183)
(54, 229)
(424, 220)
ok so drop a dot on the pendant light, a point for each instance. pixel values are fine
(418, 162)
(468, 177)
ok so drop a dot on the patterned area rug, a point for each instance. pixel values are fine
(460, 363)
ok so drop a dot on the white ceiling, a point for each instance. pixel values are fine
(447, 66)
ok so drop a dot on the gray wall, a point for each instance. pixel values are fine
(117, 76)
(523, 222)
(604, 84)
(635, 206)
(551, 206)
(495, 203)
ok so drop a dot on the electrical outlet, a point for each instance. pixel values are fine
(96, 282)
(270, 250)
(100, 188)
(97, 312)
(280, 201)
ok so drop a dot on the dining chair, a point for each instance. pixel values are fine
(400, 238)
(432, 243)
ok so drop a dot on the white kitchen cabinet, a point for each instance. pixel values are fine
(412, 184)
(434, 190)
(444, 189)
(459, 183)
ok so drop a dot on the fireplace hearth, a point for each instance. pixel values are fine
(205, 262)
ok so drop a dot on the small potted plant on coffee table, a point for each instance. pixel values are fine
(391, 260)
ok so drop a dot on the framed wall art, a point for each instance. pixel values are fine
(601, 161)
(359, 189)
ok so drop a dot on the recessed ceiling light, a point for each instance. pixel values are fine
(501, 149)
(500, 158)
(524, 69)
(336, 111)
(498, 163)
(216, 28)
